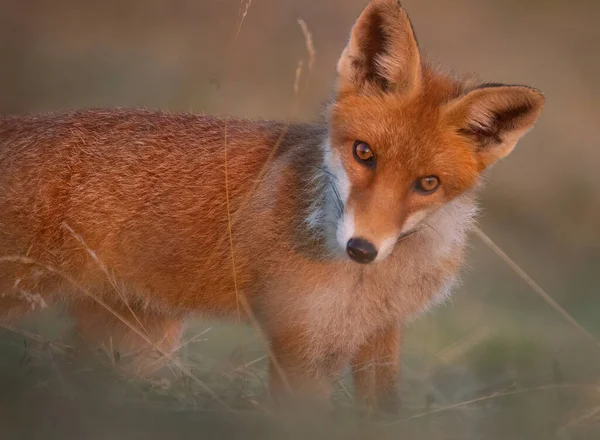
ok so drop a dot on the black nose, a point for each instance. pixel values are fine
(361, 250)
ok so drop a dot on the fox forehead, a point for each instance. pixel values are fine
(383, 121)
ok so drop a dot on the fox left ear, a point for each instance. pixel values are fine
(494, 118)
(382, 53)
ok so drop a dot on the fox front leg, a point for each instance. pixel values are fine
(376, 370)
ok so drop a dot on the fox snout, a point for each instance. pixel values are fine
(361, 244)
(364, 250)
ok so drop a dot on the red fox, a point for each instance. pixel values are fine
(333, 233)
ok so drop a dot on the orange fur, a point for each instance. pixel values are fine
(128, 208)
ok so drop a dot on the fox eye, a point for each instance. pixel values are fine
(363, 153)
(427, 185)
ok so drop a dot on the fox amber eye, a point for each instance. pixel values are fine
(427, 185)
(363, 153)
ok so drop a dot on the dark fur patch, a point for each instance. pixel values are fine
(502, 121)
(506, 119)
(496, 84)
(373, 47)
(490, 85)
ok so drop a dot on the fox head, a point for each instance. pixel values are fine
(403, 139)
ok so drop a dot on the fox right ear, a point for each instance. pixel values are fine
(382, 53)
(494, 117)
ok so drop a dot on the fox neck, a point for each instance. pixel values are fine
(324, 192)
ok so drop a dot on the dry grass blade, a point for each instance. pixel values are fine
(60, 347)
(310, 49)
(229, 230)
(67, 391)
(249, 364)
(244, 13)
(494, 396)
(464, 345)
(590, 414)
(181, 346)
(535, 286)
(298, 77)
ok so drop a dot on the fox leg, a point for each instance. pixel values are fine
(138, 342)
(299, 373)
(376, 370)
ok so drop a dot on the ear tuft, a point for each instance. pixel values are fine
(495, 117)
(382, 52)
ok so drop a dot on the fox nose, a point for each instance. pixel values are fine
(361, 250)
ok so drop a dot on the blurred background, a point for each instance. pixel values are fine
(496, 362)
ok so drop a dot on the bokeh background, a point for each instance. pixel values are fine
(529, 372)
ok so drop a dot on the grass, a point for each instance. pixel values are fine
(470, 371)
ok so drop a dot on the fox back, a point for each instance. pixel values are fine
(333, 233)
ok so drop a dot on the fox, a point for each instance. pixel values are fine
(329, 236)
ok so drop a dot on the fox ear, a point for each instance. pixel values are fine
(382, 52)
(494, 117)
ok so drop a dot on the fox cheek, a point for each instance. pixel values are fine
(413, 220)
